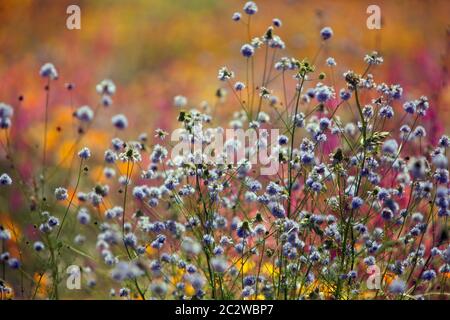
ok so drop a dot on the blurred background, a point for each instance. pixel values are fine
(156, 49)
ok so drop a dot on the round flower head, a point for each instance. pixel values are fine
(429, 275)
(13, 263)
(324, 93)
(247, 50)
(330, 62)
(106, 87)
(390, 146)
(61, 193)
(6, 111)
(219, 265)
(5, 180)
(48, 70)
(225, 74)
(282, 140)
(277, 22)
(277, 210)
(236, 16)
(84, 153)
(409, 106)
(106, 100)
(5, 123)
(250, 8)
(180, 101)
(38, 246)
(83, 216)
(326, 33)
(357, 202)
(53, 221)
(444, 141)
(119, 121)
(397, 286)
(84, 114)
(158, 288)
(239, 86)
(345, 94)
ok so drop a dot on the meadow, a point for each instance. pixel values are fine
(224, 150)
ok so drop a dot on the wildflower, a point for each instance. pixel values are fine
(84, 153)
(250, 8)
(331, 62)
(283, 140)
(53, 221)
(324, 93)
(357, 203)
(124, 292)
(110, 156)
(6, 112)
(422, 106)
(180, 101)
(83, 216)
(441, 175)
(276, 209)
(390, 147)
(277, 22)
(14, 263)
(428, 275)
(397, 286)
(420, 132)
(247, 50)
(106, 87)
(440, 161)
(106, 100)
(38, 246)
(158, 154)
(236, 16)
(117, 144)
(444, 141)
(61, 193)
(219, 265)
(374, 58)
(190, 246)
(299, 120)
(326, 33)
(239, 86)
(418, 167)
(158, 288)
(130, 240)
(119, 121)
(5, 234)
(48, 70)
(5, 180)
(243, 231)
(387, 214)
(386, 112)
(324, 123)
(84, 114)
(5, 256)
(410, 107)
(225, 74)
(263, 117)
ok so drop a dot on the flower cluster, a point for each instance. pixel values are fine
(348, 195)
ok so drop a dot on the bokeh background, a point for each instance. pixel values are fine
(156, 49)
